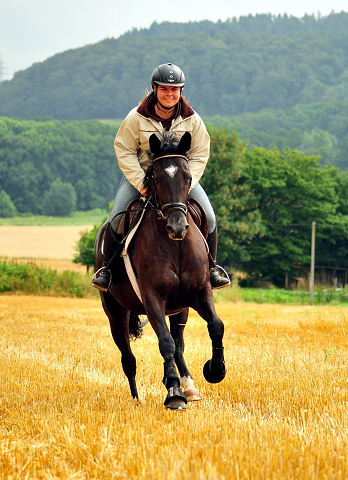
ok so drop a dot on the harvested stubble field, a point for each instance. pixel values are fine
(66, 411)
(53, 242)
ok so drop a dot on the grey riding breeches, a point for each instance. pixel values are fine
(126, 193)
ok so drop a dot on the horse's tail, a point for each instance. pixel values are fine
(136, 326)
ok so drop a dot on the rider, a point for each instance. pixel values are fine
(163, 109)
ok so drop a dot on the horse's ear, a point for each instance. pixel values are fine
(155, 143)
(185, 142)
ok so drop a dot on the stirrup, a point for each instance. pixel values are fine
(227, 277)
(96, 275)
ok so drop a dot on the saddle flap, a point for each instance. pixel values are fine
(131, 216)
(199, 216)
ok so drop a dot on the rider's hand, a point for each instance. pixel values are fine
(143, 192)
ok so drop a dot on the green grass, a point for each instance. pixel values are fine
(91, 217)
(34, 280)
(31, 279)
(322, 296)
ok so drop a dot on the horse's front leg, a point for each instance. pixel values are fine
(177, 325)
(214, 370)
(175, 399)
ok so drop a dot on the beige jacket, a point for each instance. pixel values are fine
(132, 142)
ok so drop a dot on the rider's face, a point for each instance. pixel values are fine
(168, 95)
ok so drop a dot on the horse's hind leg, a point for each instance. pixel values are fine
(119, 324)
(177, 325)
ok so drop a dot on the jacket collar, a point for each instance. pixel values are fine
(147, 108)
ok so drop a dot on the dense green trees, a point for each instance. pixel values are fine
(291, 192)
(234, 202)
(315, 129)
(265, 202)
(34, 154)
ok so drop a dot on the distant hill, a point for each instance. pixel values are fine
(233, 67)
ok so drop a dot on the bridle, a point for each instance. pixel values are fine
(174, 206)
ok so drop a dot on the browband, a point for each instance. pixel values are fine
(166, 156)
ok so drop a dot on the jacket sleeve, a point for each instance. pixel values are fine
(199, 151)
(126, 146)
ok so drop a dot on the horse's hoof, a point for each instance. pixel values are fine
(175, 400)
(213, 376)
(192, 395)
(176, 404)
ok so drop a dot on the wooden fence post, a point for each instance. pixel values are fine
(311, 283)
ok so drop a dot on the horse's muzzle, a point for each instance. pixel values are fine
(177, 229)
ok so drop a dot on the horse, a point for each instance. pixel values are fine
(169, 256)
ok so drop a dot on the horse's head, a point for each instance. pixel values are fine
(168, 180)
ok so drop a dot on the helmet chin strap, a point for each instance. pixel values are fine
(165, 108)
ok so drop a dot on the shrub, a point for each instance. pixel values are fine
(59, 200)
(85, 248)
(31, 279)
(7, 207)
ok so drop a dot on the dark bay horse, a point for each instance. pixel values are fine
(169, 256)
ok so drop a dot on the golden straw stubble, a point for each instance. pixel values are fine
(66, 409)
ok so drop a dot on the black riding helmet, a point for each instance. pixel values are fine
(168, 74)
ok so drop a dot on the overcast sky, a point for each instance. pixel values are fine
(33, 30)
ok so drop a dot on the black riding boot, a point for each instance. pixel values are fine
(111, 243)
(215, 278)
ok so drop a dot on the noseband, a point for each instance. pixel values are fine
(172, 205)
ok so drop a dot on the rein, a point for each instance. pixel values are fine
(172, 205)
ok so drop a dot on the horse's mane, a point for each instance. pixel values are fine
(169, 146)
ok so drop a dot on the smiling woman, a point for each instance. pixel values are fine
(167, 98)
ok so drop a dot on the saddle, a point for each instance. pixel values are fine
(135, 208)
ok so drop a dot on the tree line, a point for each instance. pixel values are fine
(259, 24)
(54, 167)
(315, 129)
(265, 199)
(265, 202)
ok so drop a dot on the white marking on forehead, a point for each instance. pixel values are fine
(171, 170)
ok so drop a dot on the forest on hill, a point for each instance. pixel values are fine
(229, 71)
(273, 79)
